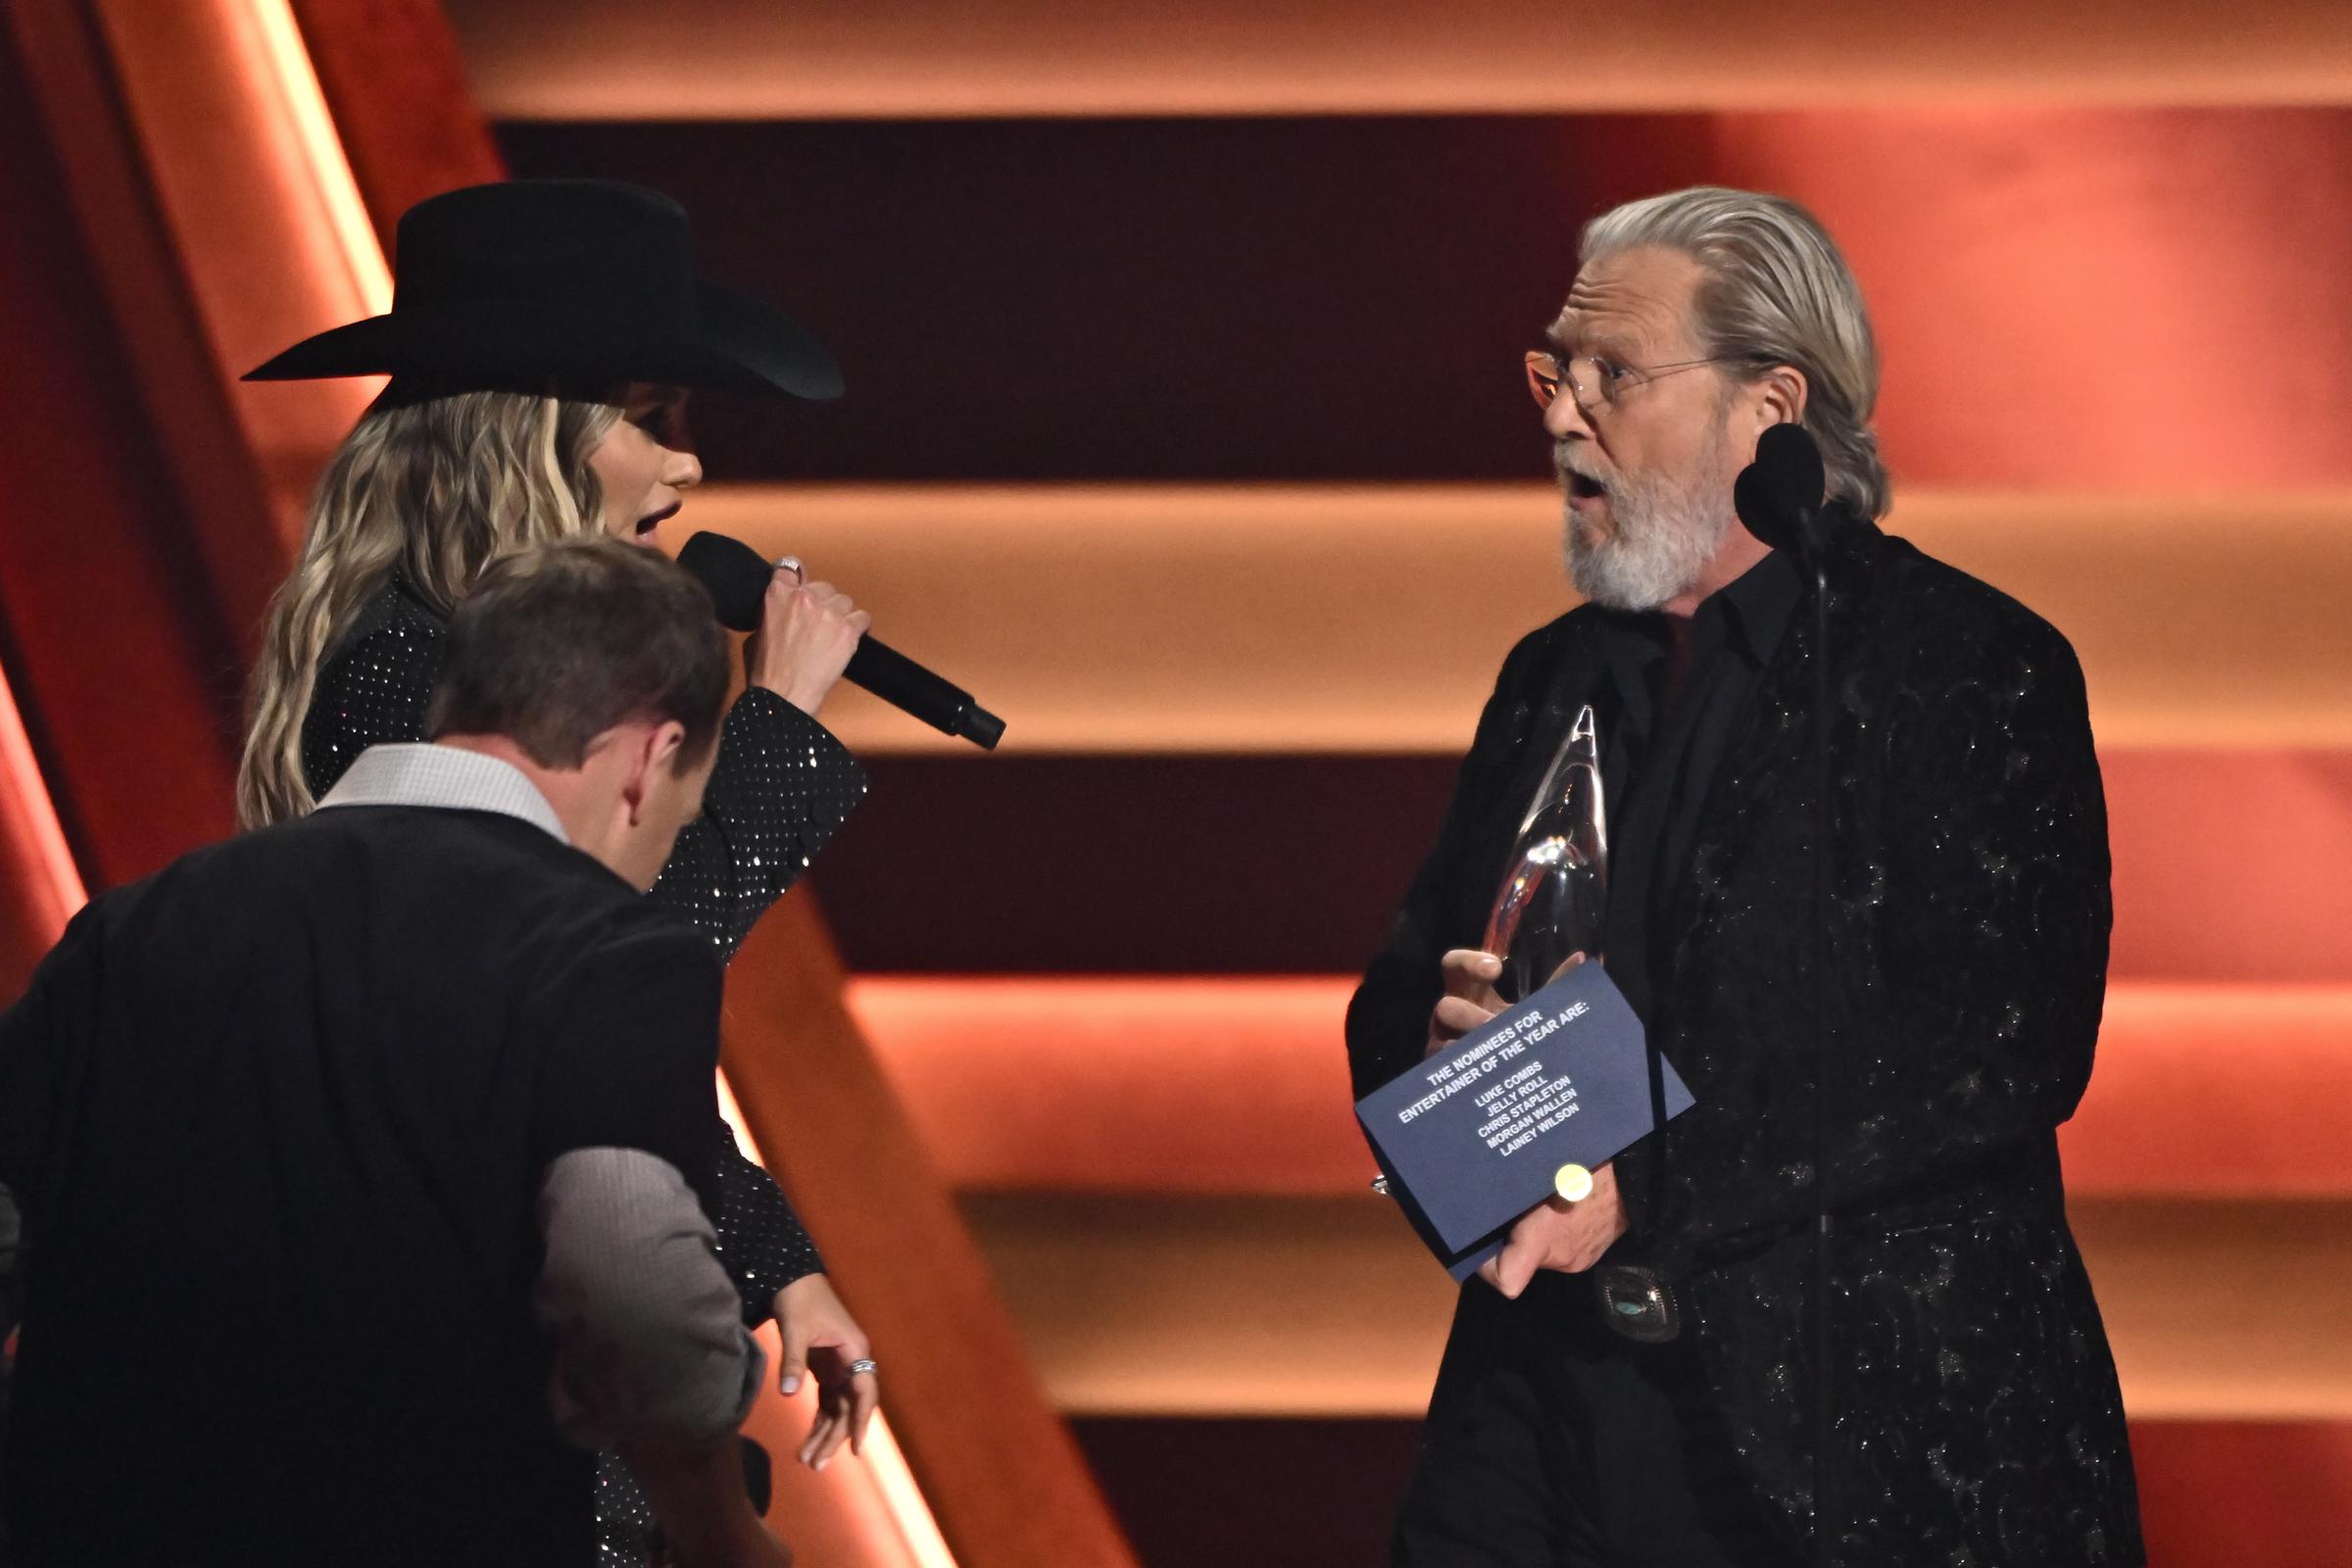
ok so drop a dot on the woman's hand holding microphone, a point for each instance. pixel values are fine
(807, 631)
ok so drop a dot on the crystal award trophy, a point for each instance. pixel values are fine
(1551, 906)
(1555, 888)
(1560, 1082)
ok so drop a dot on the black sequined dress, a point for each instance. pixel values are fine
(782, 785)
(1979, 1420)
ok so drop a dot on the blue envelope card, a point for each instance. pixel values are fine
(1475, 1137)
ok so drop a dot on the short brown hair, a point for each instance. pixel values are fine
(556, 644)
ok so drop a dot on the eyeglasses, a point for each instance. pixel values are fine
(1594, 380)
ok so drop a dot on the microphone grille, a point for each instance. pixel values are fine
(1790, 461)
(735, 574)
(1760, 510)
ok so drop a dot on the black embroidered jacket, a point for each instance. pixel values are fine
(1980, 1416)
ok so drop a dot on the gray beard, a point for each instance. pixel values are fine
(1668, 528)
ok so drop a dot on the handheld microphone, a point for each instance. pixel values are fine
(1778, 496)
(737, 576)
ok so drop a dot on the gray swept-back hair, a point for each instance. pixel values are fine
(1778, 292)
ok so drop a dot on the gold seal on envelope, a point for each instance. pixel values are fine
(1572, 1182)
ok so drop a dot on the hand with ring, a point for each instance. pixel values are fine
(807, 631)
(820, 1340)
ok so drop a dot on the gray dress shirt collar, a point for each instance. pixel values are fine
(417, 773)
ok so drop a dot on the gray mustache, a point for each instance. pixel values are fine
(1562, 465)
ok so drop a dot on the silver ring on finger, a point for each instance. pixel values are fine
(792, 563)
(862, 1368)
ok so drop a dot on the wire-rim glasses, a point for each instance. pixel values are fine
(1594, 380)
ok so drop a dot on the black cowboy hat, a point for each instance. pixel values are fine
(574, 281)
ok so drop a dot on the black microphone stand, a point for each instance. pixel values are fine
(1825, 1405)
(1779, 497)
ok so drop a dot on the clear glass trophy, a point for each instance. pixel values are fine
(1555, 888)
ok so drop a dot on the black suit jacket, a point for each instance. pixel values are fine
(277, 1117)
(1981, 1419)
(781, 787)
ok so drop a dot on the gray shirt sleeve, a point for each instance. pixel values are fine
(648, 1329)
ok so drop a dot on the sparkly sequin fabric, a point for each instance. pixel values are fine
(781, 787)
(1980, 1422)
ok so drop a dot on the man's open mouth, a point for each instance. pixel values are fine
(1581, 488)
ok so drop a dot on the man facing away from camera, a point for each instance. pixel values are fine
(363, 1158)
(1978, 1417)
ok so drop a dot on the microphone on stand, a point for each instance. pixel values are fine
(1779, 495)
(737, 576)
(1779, 500)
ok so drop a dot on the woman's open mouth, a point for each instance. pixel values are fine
(655, 519)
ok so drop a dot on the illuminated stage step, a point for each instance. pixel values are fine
(1239, 1088)
(1153, 618)
(1327, 1306)
(1169, 1188)
(754, 59)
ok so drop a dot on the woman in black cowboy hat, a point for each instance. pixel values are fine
(542, 338)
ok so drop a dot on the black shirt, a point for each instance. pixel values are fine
(277, 1119)
(1675, 693)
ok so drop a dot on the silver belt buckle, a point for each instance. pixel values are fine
(1636, 1304)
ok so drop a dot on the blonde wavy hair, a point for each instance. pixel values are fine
(432, 487)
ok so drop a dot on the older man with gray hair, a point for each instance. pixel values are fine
(1977, 1419)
